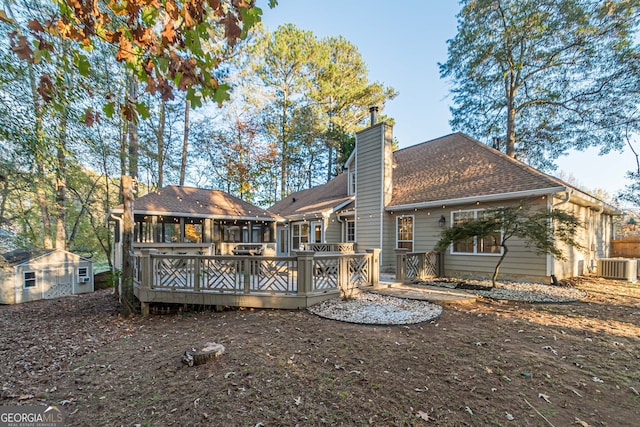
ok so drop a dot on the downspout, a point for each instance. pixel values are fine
(119, 220)
(566, 200)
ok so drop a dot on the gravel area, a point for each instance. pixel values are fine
(525, 292)
(373, 309)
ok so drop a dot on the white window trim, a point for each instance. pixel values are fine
(24, 279)
(346, 230)
(352, 183)
(475, 238)
(413, 230)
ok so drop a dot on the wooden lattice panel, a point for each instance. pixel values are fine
(325, 273)
(221, 274)
(270, 275)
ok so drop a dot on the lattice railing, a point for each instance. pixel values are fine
(221, 274)
(325, 273)
(273, 275)
(341, 271)
(359, 271)
(422, 265)
(256, 275)
(342, 248)
(175, 272)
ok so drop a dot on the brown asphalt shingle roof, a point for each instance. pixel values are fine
(457, 166)
(452, 167)
(196, 201)
(314, 201)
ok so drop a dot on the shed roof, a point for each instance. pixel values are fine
(24, 256)
(198, 202)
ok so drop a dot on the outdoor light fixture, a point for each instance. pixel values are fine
(442, 221)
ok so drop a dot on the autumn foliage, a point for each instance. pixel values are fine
(163, 41)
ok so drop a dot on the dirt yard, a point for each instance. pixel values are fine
(489, 363)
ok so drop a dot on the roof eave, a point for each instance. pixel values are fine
(197, 215)
(473, 199)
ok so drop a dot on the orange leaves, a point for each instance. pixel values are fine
(168, 33)
(125, 50)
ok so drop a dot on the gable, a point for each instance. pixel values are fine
(315, 201)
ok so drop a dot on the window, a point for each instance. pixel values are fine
(193, 232)
(489, 245)
(352, 182)
(350, 231)
(29, 279)
(317, 233)
(83, 271)
(300, 235)
(404, 233)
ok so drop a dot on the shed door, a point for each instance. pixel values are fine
(57, 282)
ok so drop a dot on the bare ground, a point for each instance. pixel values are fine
(490, 363)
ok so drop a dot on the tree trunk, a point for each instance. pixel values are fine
(497, 269)
(61, 187)
(329, 161)
(134, 147)
(127, 298)
(160, 138)
(285, 155)
(510, 138)
(185, 142)
(39, 182)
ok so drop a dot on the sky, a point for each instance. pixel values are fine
(402, 44)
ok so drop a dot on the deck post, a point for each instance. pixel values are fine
(375, 267)
(245, 264)
(305, 271)
(401, 264)
(197, 273)
(146, 265)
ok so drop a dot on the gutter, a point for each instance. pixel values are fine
(473, 199)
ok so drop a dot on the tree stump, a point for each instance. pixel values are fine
(195, 357)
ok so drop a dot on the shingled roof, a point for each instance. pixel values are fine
(316, 200)
(198, 202)
(457, 166)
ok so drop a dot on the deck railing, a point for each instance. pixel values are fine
(342, 248)
(306, 276)
(416, 266)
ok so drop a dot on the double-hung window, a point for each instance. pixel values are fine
(488, 245)
(404, 232)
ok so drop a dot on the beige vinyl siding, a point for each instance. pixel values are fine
(520, 263)
(369, 181)
(595, 237)
(333, 230)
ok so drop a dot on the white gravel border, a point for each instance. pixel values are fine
(374, 309)
(521, 292)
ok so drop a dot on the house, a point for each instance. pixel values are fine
(43, 274)
(403, 199)
(187, 220)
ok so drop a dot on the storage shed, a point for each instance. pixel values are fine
(43, 274)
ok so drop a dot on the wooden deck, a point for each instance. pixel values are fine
(252, 281)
